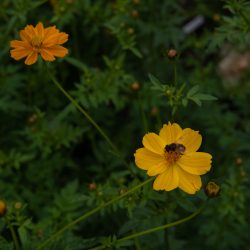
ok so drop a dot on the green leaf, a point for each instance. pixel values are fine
(193, 91)
(205, 97)
(154, 80)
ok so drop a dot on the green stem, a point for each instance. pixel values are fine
(154, 229)
(13, 234)
(245, 18)
(91, 212)
(175, 72)
(90, 119)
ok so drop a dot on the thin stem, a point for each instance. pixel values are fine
(154, 229)
(13, 235)
(90, 119)
(175, 72)
(91, 212)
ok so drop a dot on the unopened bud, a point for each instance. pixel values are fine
(18, 205)
(32, 119)
(123, 191)
(135, 13)
(239, 161)
(154, 111)
(92, 186)
(130, 30)
(135, 86)
(136, 1)
(3, 208)
(216, 17)
(172, 53)
(212, 189)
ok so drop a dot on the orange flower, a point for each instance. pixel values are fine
(39, 40)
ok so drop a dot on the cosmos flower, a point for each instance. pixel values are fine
(39, 40)
(172, 157)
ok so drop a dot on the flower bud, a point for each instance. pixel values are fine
(172, 53)
(135, 86)
(18, 205)
(238, 161)
(136, 1)
(154, 111)
(212, 189)
(135, 13)
(3, 208)
(130, 31)
(92, 186)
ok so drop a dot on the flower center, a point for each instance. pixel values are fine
(173, 152)
(36, 41)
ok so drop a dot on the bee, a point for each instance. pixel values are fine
(175, 147)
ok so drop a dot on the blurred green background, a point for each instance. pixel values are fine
(54, 165)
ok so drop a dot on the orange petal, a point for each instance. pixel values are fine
(19, 44)
(189, 183)
(18, 54)
(168, 180)
(55, 39)
(196, 163)
(30, 30)
(190, 139)
(47, 56)
(154, 143)
(32, 58)
(170, 133)
(58, 51)
(146, 159)
(25, 36)
(40, 30)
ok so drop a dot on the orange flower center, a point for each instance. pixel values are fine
(36, 42)
(173, 152)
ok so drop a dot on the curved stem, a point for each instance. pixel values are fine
(154, 229)
(90, 119)
(91, 212)
(13, 235)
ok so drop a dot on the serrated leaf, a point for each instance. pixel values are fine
(154, 80)
(193, 91)
(197, 101)
(205, 97)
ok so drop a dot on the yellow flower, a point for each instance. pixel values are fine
(39, 40)
(172, 156)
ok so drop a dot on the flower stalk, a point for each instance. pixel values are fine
(90, 119)
(13, 234)
(155, 229)
(91, 212)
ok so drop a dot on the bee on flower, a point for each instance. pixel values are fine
(172, 156)
(39, 41)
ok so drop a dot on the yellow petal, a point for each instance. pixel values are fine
(31, 59)
(196, 163)
(190, 139)
(146, 159)
(168, 180)
(189, 183)
(158, 169)
(170, 133)
(154, 143)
